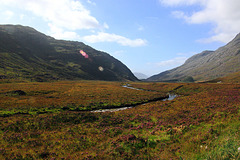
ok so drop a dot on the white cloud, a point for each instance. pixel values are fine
(105, 25)
(140, 28)
(8, 14)
(107, 37)
(223, 14)
(158, 67)
(65, 18)
(68, 14)
(172, 62)
(22, 16)
(179, 14)
(59, 33)
(180, 2)
(90, 2)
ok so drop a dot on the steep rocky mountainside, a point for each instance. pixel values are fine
(29, 54)
(207, 65)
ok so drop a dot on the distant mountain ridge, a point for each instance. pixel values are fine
(27, 53)
(207, 65)
(140, 75)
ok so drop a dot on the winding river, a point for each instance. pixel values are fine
(170, 97)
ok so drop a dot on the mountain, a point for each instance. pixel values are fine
(230, 78)
(207, 65)
(29, 54)
(140, 75)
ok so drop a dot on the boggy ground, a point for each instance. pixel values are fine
(69, 95)
(202, 123)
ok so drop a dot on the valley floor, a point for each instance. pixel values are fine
(52, 120)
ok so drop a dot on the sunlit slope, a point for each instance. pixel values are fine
(231, 78)
(29, 54)
(207, 65)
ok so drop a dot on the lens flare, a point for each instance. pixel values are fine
(100, 68)
(84, 54)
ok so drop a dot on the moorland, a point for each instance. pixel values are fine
(66, 100)
(54, 120)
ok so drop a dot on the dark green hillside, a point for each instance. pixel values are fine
(28, 54)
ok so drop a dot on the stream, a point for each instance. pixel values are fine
(170, 97)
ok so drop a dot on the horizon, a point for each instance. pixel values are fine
(160, 34)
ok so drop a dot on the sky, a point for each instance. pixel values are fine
(148, 36)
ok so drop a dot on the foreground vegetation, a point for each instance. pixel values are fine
(50, 121)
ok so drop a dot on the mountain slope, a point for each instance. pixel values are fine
(206, 65)
(27, 53)
(230, 78)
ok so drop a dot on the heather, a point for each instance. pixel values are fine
(203, 122)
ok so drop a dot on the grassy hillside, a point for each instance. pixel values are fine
(207, 65)
(28, 54)
(231, 78)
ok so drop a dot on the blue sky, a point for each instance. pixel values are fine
(149, 36)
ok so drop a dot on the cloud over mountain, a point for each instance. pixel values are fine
(65, 17)
(223, 15)
(106, 37)
(62, 13)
